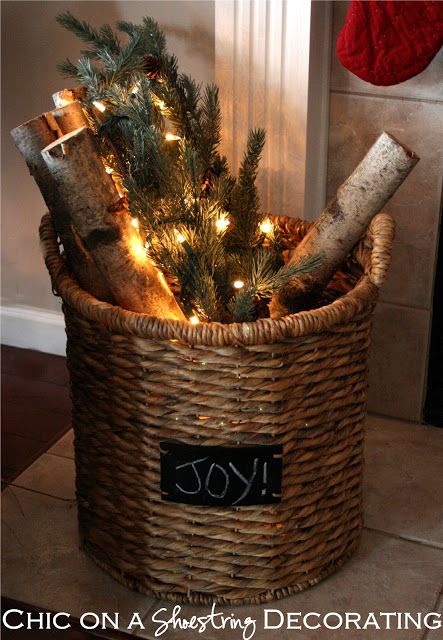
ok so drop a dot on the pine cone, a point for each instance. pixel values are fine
(151, 67)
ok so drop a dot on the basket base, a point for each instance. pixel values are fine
(197, 598)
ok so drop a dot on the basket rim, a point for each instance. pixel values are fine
(359, 300)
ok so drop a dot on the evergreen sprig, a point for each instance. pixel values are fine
(104, 38)
(264, 280)
(245, 202)
(200, 224)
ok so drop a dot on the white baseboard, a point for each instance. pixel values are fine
(33, 328)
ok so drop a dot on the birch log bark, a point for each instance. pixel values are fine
(30, 138)
(102, 225)
(344, 221)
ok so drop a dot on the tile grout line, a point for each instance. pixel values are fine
(12, 485)
(401, 305)
(397, 536)
(363, 94)
(58, 455)
(145, 617)
(394, 419)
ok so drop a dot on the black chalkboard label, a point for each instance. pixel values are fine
(222, 476)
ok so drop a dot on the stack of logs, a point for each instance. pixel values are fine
(104, 251)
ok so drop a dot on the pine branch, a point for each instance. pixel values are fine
(265, 280)
(104, 38)
(91, 77)
(242, 308)
(210, 126)
(128, 60)
(245, 203)
(155, 36)
(67, 68)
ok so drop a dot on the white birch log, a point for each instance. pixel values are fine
(66, 96)
(344, 221)
(104, 227)
(30, 138)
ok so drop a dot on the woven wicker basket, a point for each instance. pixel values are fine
(299, 382)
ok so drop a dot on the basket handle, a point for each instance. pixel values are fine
(51, 251)
(381, 235)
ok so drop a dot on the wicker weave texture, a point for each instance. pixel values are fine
(137, 381)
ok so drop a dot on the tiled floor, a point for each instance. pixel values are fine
(398, 568)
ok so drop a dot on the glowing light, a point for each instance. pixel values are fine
(222, 223)
(238, 284)
(180, 237)
(134, 223)
(161, 105)
(109, 169)
(194, 320)
(170, 137)
(266, 226)
(99, 105)
(137, 249)
(135, 88)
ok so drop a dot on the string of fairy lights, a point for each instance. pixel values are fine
(222, 223)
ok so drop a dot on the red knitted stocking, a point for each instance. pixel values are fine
(388, 42)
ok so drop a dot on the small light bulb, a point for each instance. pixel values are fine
(109, 169)
(161, 105)
(137, 249)
(180, 238)
(238, 284)
(266, 226)
(170, 137)
(222, 224)
(99, 105)
(134, 223)
(194, 320)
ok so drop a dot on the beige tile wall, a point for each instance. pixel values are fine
(413, 112)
